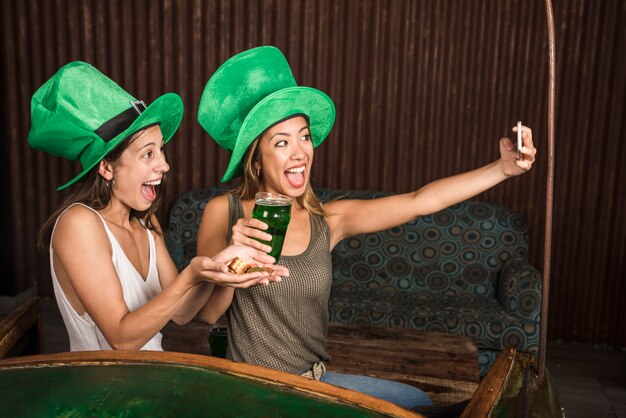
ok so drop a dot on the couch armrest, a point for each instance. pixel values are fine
(519, 288)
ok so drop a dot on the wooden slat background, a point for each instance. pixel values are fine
(423, 89)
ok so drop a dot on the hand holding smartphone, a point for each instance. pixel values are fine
(520, 156)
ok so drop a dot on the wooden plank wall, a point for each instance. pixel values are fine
(423, 89)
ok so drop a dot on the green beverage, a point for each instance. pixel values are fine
(218, 341)
(275, 210)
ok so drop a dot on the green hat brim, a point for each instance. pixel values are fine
(166, 111)
(278, 106)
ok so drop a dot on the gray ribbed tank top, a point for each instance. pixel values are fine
(283, 326)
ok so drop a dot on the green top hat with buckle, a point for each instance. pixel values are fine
(81, 114)
(252, 91)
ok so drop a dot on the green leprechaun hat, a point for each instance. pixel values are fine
(252, 91)
(81, 114)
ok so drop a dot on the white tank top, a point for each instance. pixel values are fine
(83, 332)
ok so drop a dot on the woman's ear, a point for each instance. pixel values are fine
(105, 170)
(257, 168)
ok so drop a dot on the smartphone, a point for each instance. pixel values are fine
(520, 156)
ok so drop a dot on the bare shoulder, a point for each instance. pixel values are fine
(79, 226)
(338, 208)
(213, 228)
(217, 204)
(216, 210)
(215, 214)
(78, 216)
(335, 212)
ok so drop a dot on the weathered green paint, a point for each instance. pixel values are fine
(145, 390)
(524, 395)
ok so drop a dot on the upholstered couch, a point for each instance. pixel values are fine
(463, 270)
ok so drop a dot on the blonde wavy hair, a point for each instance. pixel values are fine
(251, 182)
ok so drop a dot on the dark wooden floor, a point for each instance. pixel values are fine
(591, 380)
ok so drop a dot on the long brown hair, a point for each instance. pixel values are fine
(251, 182)
(95, 192)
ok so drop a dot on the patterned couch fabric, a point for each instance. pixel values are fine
(462, 270)
(185, 215)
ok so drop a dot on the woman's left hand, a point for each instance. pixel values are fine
(510, 163)
(257, 257)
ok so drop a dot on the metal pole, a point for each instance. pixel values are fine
(549, 193)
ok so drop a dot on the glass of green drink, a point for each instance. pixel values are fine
(218, 338)
(275, 210)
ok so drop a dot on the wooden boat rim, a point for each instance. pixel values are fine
(243, 370)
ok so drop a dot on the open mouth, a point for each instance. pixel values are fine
(295, 176)
(148, 189)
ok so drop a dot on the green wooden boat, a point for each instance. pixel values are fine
(138, 384)
(166, 384)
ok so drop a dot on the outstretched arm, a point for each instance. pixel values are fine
(347, 217)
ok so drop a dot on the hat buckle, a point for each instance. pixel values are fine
(136, 103)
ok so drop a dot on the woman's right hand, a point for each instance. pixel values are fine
(246, 229)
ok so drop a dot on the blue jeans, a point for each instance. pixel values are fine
(401, 394)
